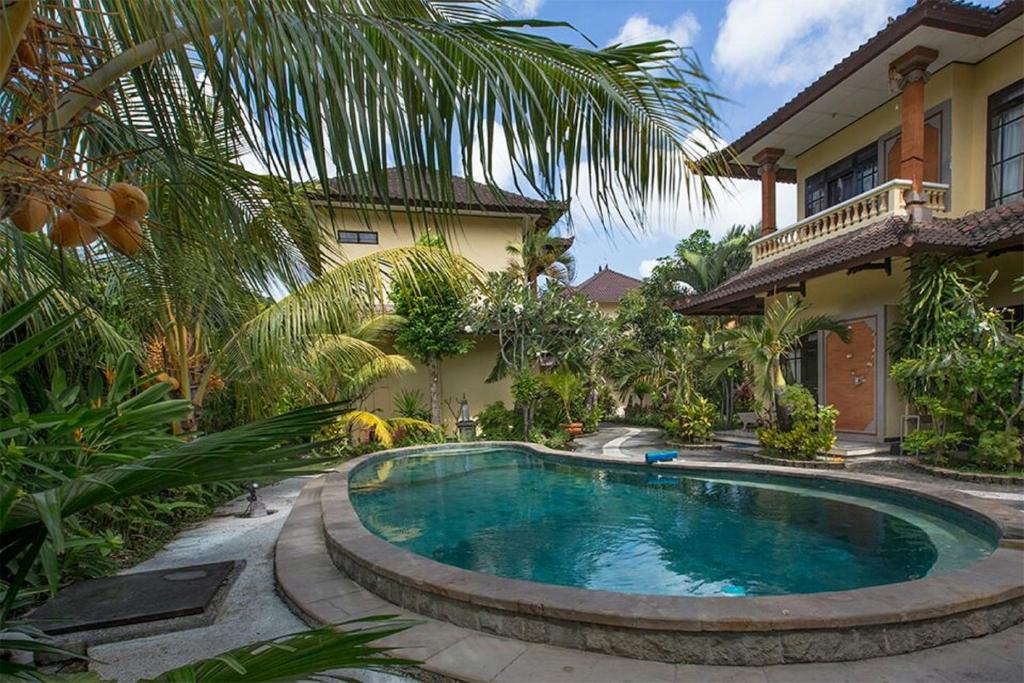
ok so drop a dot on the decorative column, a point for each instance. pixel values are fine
(912, 70)
(767, 164)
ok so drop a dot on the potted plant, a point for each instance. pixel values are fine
(567, 386)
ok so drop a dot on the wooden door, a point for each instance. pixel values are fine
(850, 372)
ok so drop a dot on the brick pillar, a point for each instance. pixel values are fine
(767, 164)
(912, 70)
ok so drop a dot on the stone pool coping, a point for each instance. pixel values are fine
(984, 598)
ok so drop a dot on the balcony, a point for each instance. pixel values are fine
(871, 206)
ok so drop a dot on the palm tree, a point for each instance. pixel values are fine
(542, 253)
(702, 272)
(760, 345)
(97, 93)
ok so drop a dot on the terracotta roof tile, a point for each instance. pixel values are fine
(607, 286)
(466, 194)
(895, 236)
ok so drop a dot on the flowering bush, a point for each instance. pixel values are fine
(554, 327)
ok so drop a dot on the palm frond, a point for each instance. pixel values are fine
(298, 656)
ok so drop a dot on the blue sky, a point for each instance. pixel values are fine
(759, 54)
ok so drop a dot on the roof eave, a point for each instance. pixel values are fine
(950, 16)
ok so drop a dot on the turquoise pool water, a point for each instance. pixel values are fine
(517, 514)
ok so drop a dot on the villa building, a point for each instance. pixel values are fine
(483, 225)
(914, 143)
(606, 288)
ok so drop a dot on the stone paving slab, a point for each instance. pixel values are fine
(478, 658)
(558, 665)
(451, 652)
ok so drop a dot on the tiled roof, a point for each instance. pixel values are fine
(895, 236)
(466, 194)
(606, 286)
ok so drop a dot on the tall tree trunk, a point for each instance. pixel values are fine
(435, 389)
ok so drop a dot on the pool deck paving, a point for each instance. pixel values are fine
(305, 572)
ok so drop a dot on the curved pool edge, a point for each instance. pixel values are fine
(867, 622)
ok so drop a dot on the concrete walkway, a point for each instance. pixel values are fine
(252, 611)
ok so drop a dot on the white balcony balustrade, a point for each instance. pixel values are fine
(874, 205)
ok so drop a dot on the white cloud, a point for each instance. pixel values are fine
(638, 29)
(782, 41)
(647, 266)
(524, 8)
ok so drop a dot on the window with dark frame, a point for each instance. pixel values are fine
(842, 180)
(800, 365)
(358, 237)
(1006, 145)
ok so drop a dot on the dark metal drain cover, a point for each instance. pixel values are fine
(134, 598)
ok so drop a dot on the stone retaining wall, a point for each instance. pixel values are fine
(976, 477)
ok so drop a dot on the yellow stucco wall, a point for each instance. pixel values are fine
(461, 375)
(481, 238)
(967, 87)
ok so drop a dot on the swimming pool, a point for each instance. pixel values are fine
(520, 514)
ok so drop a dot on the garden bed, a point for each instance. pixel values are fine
(816, 464)
(966, 475)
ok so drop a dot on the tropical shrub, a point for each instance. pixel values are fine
(411, 403)
(386, 432)
(75, 458)
(691, 422)
(960, 365)
(812, 429)
(527, 391)
(568, 388)
(592, 417)
(934, 445)
(998, 450)
(497, 423)
(759, 346)
(558, 439)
